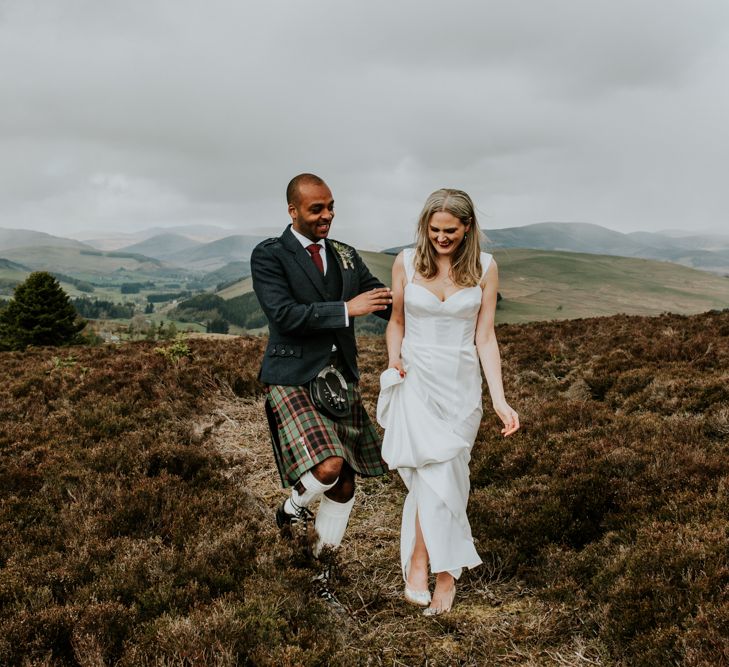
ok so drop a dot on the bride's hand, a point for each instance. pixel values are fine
(398, 365)
(509, 416)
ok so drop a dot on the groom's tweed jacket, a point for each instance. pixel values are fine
(305, 310)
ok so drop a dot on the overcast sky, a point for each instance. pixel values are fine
(116, 115)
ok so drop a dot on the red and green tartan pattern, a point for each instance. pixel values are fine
(305, 437)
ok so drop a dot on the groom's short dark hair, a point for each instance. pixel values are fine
(292, 189)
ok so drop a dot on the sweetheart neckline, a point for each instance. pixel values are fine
(435, 296)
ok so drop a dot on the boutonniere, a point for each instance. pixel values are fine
(345, 254)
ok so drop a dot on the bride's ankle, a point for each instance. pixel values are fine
(418, 576)
(444, 582)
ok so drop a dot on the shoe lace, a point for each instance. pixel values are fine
(303, 514)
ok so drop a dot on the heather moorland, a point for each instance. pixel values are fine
(137, 493)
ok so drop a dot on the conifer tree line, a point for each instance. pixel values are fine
(40, 313)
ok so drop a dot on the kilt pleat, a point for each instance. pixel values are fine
(302, 437)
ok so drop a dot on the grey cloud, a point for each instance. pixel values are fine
(160, 111)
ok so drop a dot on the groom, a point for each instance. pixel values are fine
(311, 289)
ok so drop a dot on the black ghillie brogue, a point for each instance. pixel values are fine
(285, 520)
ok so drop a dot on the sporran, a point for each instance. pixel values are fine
(328, 391)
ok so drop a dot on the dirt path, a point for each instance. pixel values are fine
(493, 622)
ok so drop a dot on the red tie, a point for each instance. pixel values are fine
(314, 249)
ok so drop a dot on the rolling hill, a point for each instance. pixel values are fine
(548, 285)
(84, 261)
(701, 252)
(7, 265)
(213, 256)
(705, 252)
(25, 238)
(231, 272)
(162, 246)
(11, 274)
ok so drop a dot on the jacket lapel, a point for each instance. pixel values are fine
(302, 257)
(346, 274)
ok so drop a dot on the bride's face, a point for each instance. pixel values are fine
(446, 232)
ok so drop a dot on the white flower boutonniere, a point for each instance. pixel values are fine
(345, 254)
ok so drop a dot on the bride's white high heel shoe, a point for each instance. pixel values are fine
(420, 598)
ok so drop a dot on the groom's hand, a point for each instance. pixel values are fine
(369, 302)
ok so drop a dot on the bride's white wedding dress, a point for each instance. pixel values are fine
(431, 418)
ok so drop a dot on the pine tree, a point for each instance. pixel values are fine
(40, 313)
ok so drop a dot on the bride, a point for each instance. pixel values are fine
(442, 324)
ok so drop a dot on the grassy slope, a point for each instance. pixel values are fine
(540, 285)
(73, 262)
(545, 285)
(137, 496)
(11, 273)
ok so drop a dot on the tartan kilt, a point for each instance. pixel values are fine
(302, 437)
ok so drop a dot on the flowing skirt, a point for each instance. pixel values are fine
(431, 419)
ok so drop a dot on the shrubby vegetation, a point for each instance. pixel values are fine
(167, 296)
(130, 538)
(614, 498)
(102, 309)
(135, 287)
(218, 325)
(81, 285)
(243, 311)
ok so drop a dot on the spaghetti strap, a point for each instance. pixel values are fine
(485, 263)
(408, 258)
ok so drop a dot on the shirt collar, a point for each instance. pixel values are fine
(304, 241)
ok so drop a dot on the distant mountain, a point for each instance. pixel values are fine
(569, 236)
(117, 240)
(705, 252)
(25, 238)
(215, 255)
(162, 246)
(688, 241)
(168, 254)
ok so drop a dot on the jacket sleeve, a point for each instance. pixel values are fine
(271, 286)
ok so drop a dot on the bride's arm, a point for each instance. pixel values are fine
(396, 326)
(488, 351)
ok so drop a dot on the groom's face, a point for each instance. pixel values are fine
(312, 211)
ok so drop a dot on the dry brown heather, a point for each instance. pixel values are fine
(138, 495)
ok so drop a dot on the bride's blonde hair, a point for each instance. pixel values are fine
(466, 267)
